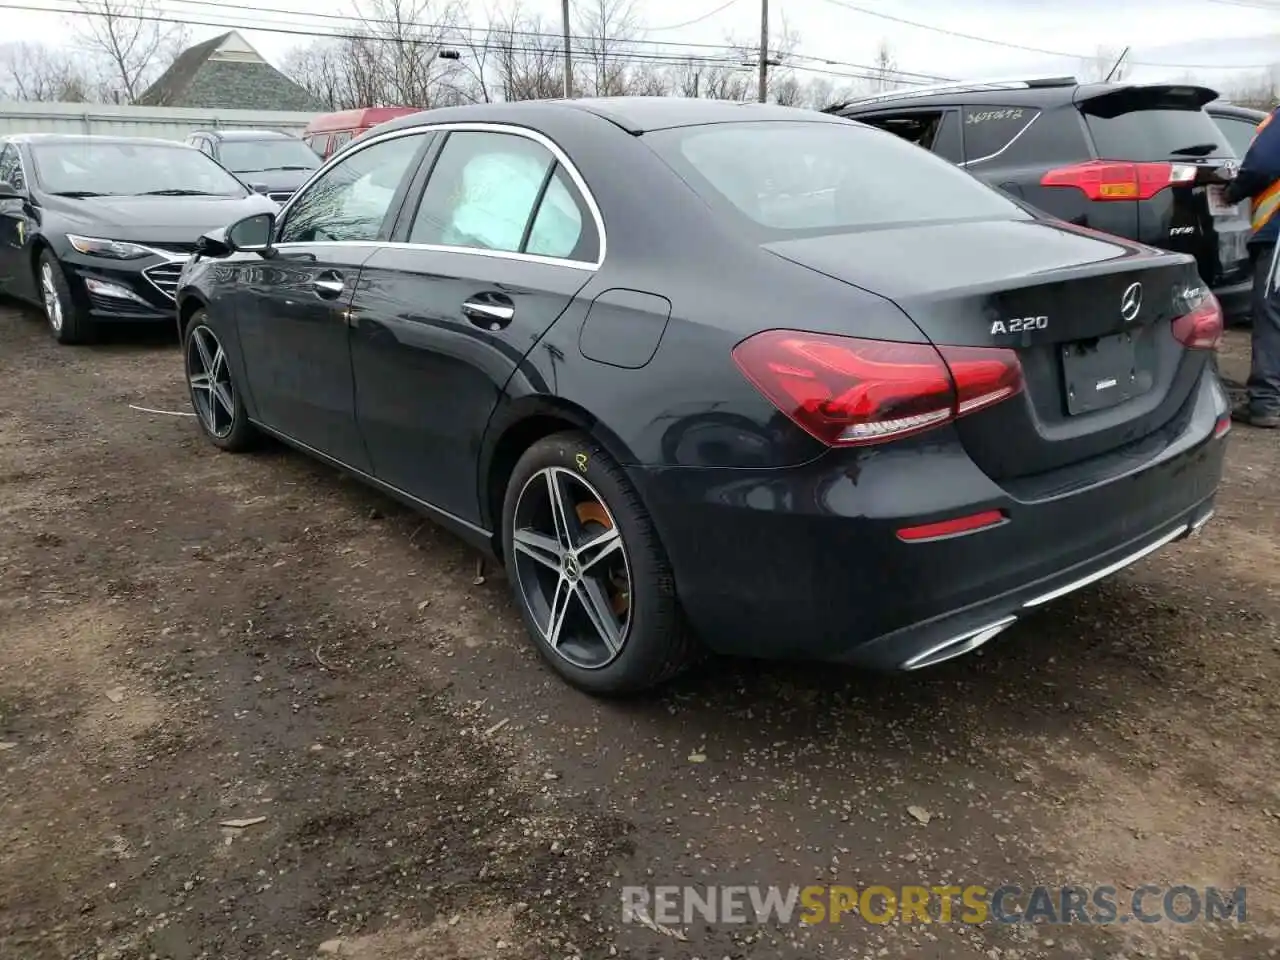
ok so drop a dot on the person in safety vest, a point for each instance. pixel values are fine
(1259, 182)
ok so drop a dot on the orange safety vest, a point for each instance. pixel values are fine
(1267, 202)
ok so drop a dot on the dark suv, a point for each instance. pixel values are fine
(269, 161)
(1142, 161)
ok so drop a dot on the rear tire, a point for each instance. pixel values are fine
(215, 398)
(67, 322)
(595, 588)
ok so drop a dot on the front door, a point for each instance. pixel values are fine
(17, 273)
(294, 321)
(491, 253)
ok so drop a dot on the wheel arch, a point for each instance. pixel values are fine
(514, 429)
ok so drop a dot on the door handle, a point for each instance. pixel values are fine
(488, 314)
(329, 285)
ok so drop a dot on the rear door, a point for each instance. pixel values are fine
(491, 251)
(1183, 160)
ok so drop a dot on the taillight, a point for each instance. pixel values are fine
(1117, 180)
(1201, 329)
(848, 391)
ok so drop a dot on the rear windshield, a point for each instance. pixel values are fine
(794, 177)
(1157, 135)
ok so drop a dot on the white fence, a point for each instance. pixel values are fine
(165, 123)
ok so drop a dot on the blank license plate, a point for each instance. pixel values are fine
(1099, 374)
(1218, 206)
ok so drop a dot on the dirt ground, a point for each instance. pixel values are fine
(190, 638)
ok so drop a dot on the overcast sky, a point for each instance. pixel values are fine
(1233, 37)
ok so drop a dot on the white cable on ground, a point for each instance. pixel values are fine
(167, 413)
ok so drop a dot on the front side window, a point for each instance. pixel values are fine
(116, 168)
(350, 202)
(790, 178)
(260, 156)
(497, 191)
(11, 167)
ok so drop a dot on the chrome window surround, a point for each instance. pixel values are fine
(469, 127)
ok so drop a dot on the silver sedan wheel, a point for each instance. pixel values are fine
(212, 393)
(52, 302)
(571, 567)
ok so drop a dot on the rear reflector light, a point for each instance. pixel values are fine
(1112, 180)
(950, 528)
(848, 391)
(1222, 427)
(1201, 329)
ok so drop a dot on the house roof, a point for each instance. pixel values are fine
(226, 73)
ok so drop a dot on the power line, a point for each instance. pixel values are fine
(355, 22)
(652, 58)
(1040, 50)
(726, 57)
(690, 23)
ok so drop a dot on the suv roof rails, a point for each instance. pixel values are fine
(958, 86)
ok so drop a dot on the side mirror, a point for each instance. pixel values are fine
(9, 192)
(213, 244)
(252, 234)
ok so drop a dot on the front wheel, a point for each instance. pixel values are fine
(215, 398)
(67, 322)
(589, 574)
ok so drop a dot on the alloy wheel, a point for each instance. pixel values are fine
(52, 302)
(571, 568)
(212, 392)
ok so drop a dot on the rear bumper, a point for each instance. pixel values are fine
(806, 563)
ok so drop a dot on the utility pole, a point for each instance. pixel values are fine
(568, 67)
(764, 50)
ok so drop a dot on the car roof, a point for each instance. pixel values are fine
(1042, 93)
(92, 138)
(244, 134)
(636, 115)
(1225, 109)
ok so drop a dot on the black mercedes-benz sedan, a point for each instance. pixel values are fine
(96, 229)
(708, 375)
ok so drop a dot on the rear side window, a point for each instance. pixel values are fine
(988, 130)
(483, 193)
(936, 130)
(1239, 133)
(815, 178)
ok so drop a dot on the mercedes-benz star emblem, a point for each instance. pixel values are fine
(1131, 302)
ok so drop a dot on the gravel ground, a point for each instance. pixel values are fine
(189, 638)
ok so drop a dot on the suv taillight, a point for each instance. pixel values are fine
(1117, 180)
(1201, 329)
(846, 391)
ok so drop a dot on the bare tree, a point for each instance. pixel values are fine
(884, 75)
(605, 27)
(37, 73)
(130, 41)
(1259, 90)
(320, 68)
(528, 59)
(396, 55)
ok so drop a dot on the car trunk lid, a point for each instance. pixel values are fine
(1090, 316)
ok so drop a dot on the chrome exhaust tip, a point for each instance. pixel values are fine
(958, 646)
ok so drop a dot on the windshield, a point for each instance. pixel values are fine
(119, 168)
(793, 177)
(255, 156)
